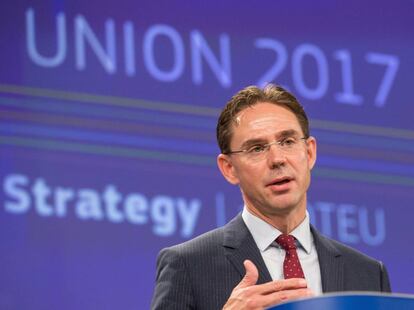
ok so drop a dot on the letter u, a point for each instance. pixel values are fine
(34, 55)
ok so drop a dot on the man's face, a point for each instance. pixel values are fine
(275, 184)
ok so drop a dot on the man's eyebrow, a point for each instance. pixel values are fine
(251, 142)
(287, 133)
(280, 135)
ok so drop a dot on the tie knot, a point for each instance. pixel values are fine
(287, 242)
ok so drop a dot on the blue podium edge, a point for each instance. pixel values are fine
(341, 295)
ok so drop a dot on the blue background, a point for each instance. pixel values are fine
(142, 121)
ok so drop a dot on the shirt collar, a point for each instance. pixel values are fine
(265, 234)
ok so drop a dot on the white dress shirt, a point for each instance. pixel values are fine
(273, 254)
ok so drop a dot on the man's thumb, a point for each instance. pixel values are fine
(251, 276)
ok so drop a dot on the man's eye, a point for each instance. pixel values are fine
(256, 149)
(288, 142)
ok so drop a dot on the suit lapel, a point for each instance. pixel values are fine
(330, 263)
(239, 245)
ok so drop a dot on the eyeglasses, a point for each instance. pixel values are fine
(286, 146)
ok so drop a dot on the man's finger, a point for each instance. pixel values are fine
(251, 276)
(280, 285)
(285, 295)
(289, 284)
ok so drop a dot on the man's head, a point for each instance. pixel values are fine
(250, 96)
(267, 151)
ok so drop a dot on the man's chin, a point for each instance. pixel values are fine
(282, 209)
(284, 204)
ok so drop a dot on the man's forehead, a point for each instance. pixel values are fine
(263, 114)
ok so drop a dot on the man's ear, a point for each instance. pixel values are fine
(311, 151)
(227, 169)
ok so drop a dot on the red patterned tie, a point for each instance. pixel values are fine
(291, 265)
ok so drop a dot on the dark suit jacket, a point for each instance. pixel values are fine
(201, 273)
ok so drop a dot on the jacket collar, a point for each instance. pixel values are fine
(240, 245)
(330, 263)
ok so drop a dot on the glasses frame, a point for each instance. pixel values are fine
(266, 147)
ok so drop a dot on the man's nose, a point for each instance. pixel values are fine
(275, 156)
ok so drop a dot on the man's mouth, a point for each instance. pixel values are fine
(279, 181)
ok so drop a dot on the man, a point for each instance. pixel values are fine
(269, 253)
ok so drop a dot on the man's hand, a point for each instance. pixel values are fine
(248, 295)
